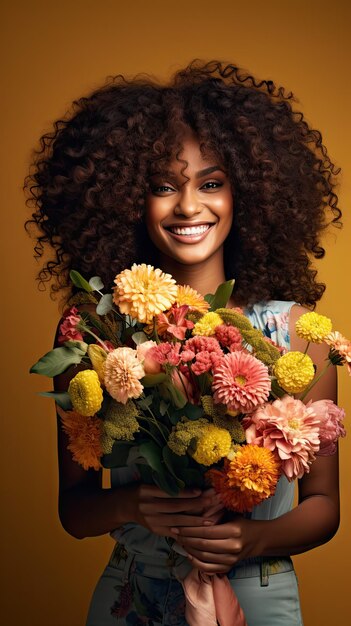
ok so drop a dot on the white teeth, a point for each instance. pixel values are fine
(190, 230)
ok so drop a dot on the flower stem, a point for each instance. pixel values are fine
(85, 328)
(314, 381)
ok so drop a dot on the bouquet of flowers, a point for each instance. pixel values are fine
(188, 390)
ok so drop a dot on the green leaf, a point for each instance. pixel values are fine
(139, 338)
(80, 282)
(193, 411)
(55, 362)
(150, 380)
(96, 283)
(119, 455)
(222, 295)
(79, 347)
(61, 398)
(105, 304)
(193, 478)
(168, 483)
(209, 297)
(163, 407)
(144, 403)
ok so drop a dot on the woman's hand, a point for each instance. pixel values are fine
(215, 549)
(156, 510)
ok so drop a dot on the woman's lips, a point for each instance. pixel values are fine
(189, 234)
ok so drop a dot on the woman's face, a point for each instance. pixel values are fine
(189, 215)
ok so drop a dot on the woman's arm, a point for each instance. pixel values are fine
(313, 522)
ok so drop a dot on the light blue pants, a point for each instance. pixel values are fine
(147, 592)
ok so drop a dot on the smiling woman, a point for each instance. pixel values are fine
(211, 176)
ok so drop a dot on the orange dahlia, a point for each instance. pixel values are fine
(247, 479)
(191, 297)
(84, 437)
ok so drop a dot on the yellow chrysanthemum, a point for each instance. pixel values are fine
(213, 444)
(85, 392)
(207, 325)
(142, 292)
(313, 327)
(247, 479)
(84, 434)
(232, 425)
(191, 297)
(294, 371)
(184, 433)
(97, 356)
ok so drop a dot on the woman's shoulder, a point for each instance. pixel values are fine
(272, 318)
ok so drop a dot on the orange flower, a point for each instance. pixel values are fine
(340, 344)
(246, 480)
(191, 297)
(84, 437)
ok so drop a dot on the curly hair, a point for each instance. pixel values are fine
(90, 178)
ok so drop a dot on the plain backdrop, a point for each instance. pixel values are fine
(53, 52)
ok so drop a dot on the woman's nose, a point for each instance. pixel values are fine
(188, 202)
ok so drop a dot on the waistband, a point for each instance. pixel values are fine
(178, 566)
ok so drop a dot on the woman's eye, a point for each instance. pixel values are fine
(212, 185)
(161, 189)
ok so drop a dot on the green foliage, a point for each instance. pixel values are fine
(61, 398)
(105, 304)
(80, 282)
(222, 295)
(59, 359)
(96, 283)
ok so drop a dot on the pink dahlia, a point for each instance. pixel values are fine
(123, 371)
(290, 429)
(240, 381)
(229, 337)
(330, 425)
(68, 329)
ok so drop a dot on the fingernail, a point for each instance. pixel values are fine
(208, 522)
(175, 531)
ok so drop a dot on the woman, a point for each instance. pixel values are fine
(211, 176)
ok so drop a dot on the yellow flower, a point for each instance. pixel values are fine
(97, 356)
(248, 478)
(207, 325)
(191, 297)
(185, 432)
(84, 434)
(85, 392)
(294, 371)
(213, 444)
(313, 327)
(232, 425)
(142, 292)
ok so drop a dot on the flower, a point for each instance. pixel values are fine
(194, 300)
(142, 292)
(288, 428)
(97, 356)
(174, 322)
(330, 425)
(229, 337)
(85, 392)
(123, 372)
(150, 365)
(120, 424)
(166, 353)
(207, 324)
(84, 437)
(313, 327)
(68, 330)
(247, 479)
(212, 445)
(342, 346)
(240, 381)
(294, 371)
(184, 433)
(232, 425)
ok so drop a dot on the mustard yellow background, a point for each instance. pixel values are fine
(52, 53)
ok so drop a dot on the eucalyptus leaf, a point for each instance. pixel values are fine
(55, 362)
(193, 411)
(150, 380)
(80, 282)
(96, 283)
(144, 403)
(79, 347)
(61, 398)
(139, 338)
(163, 407)
(105, 304)
(222, 295)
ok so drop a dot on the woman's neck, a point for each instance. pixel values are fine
(204, 277)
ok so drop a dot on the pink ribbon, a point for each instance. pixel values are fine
(210, 600)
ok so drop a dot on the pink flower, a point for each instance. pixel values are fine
(240, 381)
(123, 372)
(174, 322)
(338, 342)
(290, 429)
(166, 353)
(199, 344)
(183, 384)
(229, 337)
(151, 366)
(68, 329)
(330, 425)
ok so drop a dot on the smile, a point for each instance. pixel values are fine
(189, 230)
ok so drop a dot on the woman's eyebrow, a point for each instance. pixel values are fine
(208, 170)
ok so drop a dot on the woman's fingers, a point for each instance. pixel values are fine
(211, 557)
(155, 492)
(209, 568)
(181, 520)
